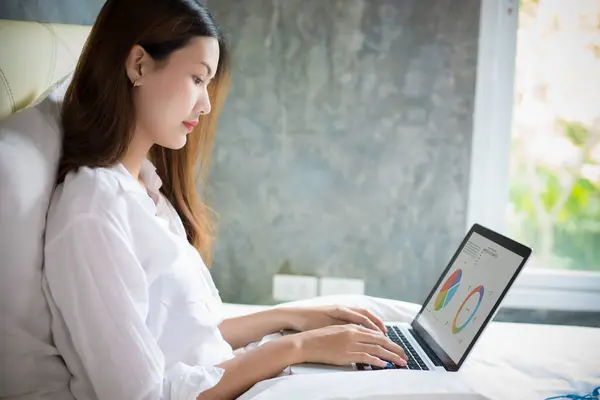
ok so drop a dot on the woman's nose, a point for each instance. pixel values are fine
(203, 106)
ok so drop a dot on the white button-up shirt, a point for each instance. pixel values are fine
(135, 310)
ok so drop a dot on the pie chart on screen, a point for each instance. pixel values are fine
(448, 290)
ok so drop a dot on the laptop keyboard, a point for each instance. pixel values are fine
(414, 360)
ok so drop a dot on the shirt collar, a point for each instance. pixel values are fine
(148, 174)
(150, 177)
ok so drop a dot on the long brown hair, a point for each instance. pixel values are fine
(98, 112)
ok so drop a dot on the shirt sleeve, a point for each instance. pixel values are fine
(101, 293)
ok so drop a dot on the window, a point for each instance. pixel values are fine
(555, 150)
(535, 172)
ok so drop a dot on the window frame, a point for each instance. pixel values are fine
(536, 288)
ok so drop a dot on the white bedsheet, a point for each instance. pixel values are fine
(510, 361)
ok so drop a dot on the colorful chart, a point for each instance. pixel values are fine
(477, 291)
(447, 291)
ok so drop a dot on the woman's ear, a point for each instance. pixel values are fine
(137, 64)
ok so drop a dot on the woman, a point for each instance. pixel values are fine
(135, 312)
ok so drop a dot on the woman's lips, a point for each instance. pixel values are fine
(190, 124)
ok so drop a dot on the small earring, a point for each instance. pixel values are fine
(136, 83)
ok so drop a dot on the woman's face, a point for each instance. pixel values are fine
(172, 94)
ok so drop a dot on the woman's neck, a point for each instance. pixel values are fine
(134, 157)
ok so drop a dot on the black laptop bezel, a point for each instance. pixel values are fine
(501, 240)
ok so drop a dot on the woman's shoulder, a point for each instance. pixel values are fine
(86, 192)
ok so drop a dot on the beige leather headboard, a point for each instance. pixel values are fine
(34, 56)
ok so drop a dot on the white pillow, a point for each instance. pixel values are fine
(30, 143)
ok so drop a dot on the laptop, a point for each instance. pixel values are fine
(457, 310)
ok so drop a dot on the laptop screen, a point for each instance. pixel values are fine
(468, 293)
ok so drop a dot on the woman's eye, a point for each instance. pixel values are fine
(197, 80)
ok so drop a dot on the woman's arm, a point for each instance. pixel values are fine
(243, 371)
(96, 282)
(338, 345)
(241, 331)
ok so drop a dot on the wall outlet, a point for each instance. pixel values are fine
(329, 286)
(294, 287)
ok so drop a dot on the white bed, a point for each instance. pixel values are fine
(511, 361)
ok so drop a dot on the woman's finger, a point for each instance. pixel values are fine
(379, 352)
(358, 319)
(377, 321)
(366, 337)
(361, 328)
(366, 358)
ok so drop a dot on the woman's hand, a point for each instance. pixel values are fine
(346, 344)
(309, 318)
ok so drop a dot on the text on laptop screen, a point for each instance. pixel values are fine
(468, 293)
